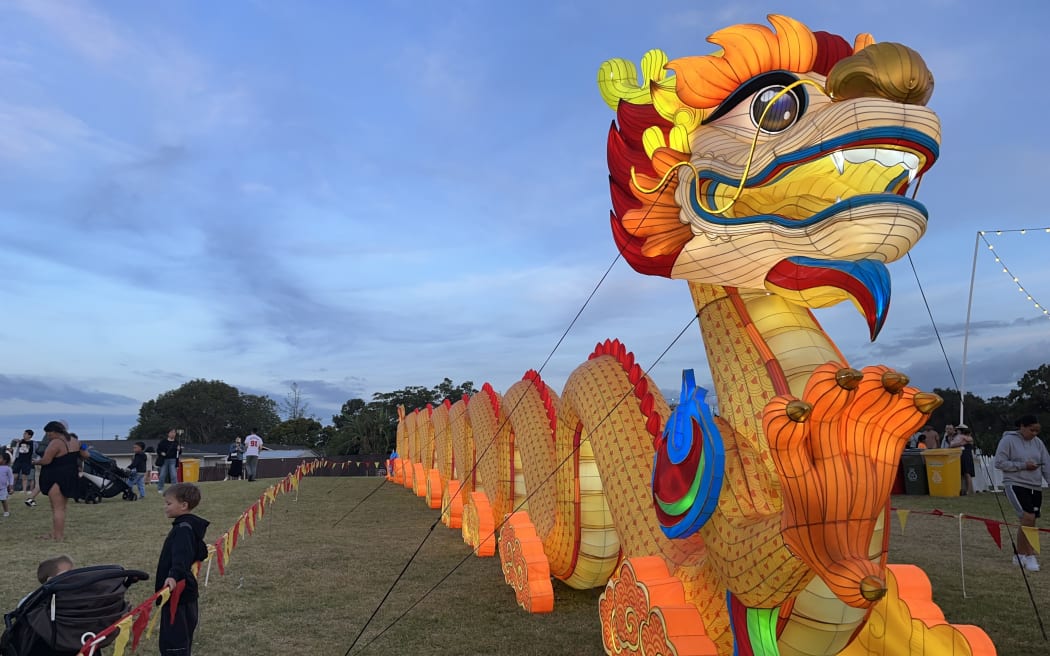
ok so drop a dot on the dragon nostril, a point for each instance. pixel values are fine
(872, 588)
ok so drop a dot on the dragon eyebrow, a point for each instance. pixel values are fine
(757, 83)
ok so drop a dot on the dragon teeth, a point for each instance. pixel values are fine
(883, 156)
(839, 160)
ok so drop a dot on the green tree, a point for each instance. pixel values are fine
(302, 431)
(447, 390)
(1032, 394)
(371, 427)
(362, 428)
(207, 410)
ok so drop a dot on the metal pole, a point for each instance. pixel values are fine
(966, 331)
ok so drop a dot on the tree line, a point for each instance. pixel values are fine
(988, 419)
(211, 411)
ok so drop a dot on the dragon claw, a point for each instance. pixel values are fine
(798, 410)
(894, 381)
(927, 402)
(872, 588)
(835, 450)
(848, 378)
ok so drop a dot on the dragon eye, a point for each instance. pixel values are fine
(782, 112)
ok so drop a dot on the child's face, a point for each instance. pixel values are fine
(135, 448)
(174, 508)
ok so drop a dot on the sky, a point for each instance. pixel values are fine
(360, 197)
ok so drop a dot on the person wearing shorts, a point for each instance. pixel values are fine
(23, 463)
(1025, 462)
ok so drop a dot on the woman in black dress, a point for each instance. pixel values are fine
(59, 474)
(235, 459)
(964, 439)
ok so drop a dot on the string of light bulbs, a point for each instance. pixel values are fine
(983, 235)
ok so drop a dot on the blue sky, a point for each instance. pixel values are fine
(360, 197)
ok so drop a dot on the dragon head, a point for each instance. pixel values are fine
(780, 162)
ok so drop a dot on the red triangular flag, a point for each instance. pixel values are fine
(141, 621)
(219, 557)
(995, 530)
(173, 602)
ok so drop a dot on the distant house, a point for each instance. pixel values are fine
(208, 454)
(211, 457)
(121, 452)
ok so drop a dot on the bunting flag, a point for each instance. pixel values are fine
(141, 620)
(175, 596)
(123, 636)
(163, 597)
(902, 515)
(1032, 533)
(995, 530)
(219, 557)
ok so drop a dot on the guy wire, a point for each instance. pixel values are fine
(496, 529)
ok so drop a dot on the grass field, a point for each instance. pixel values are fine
(315, 571)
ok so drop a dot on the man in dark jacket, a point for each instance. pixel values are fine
(183, 547)
(167, 461)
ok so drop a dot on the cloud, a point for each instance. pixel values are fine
(87, 32)
(37, 390)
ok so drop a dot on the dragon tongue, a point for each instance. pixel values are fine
(823, 283)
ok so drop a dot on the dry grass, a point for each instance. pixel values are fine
(306, 584)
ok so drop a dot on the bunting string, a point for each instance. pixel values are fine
(142, 620)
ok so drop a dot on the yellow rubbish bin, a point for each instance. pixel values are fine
(944, 471)
(190, 470)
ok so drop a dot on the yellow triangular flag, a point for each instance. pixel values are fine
(163, 595)
(226, 546)
(902, 516)
(123, 637)
(1032, 533)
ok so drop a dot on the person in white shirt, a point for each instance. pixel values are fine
(253, 444)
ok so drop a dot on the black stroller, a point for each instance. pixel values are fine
(102, 479)
(52, 620)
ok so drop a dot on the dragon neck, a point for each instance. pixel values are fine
(758, 345)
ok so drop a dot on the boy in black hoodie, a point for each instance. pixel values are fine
(183, 547)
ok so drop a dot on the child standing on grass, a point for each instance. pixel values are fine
(7, 481)
(138, 468)
(183, 547)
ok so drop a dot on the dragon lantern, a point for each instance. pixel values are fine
(771, 176)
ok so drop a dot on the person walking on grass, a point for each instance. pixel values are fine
(23, 464)
(1025, 462)
(253, 444)
(59, 474)
(183, 547)
(168, 451)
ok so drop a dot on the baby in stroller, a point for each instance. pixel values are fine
(71, 603)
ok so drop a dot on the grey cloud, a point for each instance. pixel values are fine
(37, 390)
